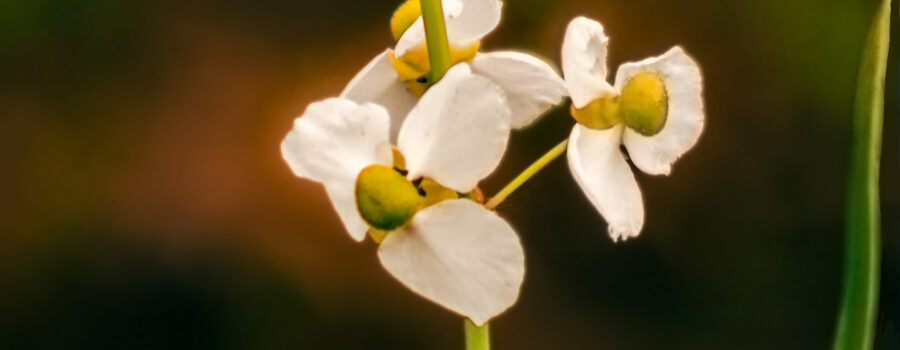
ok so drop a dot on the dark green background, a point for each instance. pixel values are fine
(144, 203)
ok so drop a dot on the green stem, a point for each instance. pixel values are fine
(477, 338)
(436, 38)
(857, 321)
(533, 169)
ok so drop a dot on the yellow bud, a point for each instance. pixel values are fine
(644, 103)
(404, 17)
(602, 113)
(385, 198)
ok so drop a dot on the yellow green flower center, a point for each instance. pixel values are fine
(642, 105)
(387, 200)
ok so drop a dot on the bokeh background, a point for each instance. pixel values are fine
(144, 203)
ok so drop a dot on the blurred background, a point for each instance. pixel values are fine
(144, 203)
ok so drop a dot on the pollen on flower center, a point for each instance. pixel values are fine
(644, 103)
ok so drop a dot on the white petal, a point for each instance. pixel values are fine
(477, 19)
(532, 86)
(584, 61)
(378, 83)
(331, 143)
(600, 169)
(684, 123)
(458, 132)
(467, 21)
(459, 255)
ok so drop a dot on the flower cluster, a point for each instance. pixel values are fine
(401, 156)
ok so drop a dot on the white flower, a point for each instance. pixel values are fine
(655, 110)
(455, 252)
(393, 78)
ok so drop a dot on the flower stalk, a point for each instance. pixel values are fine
(477, 338)
(858, 316)
(527, 174)
(436, 38)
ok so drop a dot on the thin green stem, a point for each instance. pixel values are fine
(529, 172)
(857, 321)
(436, 38)
(477, 338)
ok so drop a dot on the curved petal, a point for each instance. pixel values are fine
(584, 61)
(532, 86)
(684, 122)
(458, 132)
(331, 143)
(467, 21)
(378, 83)
(600, 169)
(459, 255)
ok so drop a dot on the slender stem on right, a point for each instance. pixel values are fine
(436, 38)
(520, 180)
(477, 338)
(858, 317)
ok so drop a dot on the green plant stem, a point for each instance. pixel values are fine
(857, 320)
(477, 338)
(529, 172)
(436, 38)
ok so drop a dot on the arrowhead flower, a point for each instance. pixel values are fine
(397, 77)
(415, 198)
(655, 109)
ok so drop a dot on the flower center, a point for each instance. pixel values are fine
(387, 199)
(413, 67)
(642, 105)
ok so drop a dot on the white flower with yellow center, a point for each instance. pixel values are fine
(655, 109)
(416, 198)
(397, 77)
